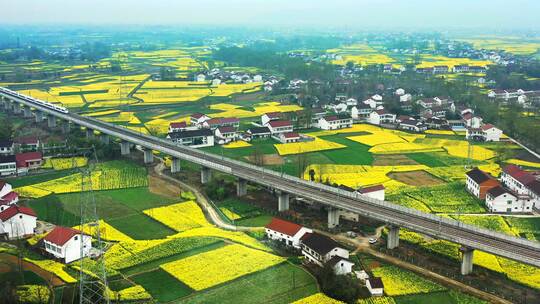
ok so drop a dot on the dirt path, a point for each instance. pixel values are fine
(360, 243)
(45, 275)
(201, 199)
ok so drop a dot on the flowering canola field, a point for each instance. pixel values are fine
(180, 217)
(211, 268)
(401, 282)
(317, 144)
(318, 298)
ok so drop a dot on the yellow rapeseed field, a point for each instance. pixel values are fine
(309, 146)
(65, 163)
(235, 236)
(211, 268)
(133, 293)
(318, 298)
(237, 144)
(53, 267)
(33, 294)
(180, 217)
(106, 232)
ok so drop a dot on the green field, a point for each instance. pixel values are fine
(162, 286)
(141, 227)
(288, 284)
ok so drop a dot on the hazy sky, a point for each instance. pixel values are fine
(336, 13)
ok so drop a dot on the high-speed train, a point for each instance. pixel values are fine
(34, 100)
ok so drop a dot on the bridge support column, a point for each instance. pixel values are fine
(241, 187)
(125, 148)
(27, 112)
(51, 121)
(466, 260)
(66, 127)
(39, 116)
(333, 217)
(393, 237)
(175, 165)
(16, 108)
(283, 201)
(206, 175)
(148, 156)
(89, 133)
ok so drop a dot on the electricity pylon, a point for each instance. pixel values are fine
(92, 282)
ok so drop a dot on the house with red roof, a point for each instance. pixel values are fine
(479, 182)
(11, 198)
(225, 134)
(17, 222)
(5, 188)
(8, 165)
(197, 119)
(28, 161)
(375, 191)
(221, 122)
(380, 117)
(268, 117)
(522, 182)
(286, 232)
(290, 137)
(486, 132)
(333, 122)
(65, 243)
(177, 126)
(280, 126)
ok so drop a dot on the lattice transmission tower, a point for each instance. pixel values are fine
(93, 288)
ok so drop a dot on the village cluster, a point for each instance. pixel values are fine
(204, 130)
(517, 190)
(19, 156)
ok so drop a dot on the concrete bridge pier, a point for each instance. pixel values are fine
(17, 108)
(51, 121)
(125, 148)
(241, 187)
(89, 133)
(175, 165)
(333, 217)
(148, 156)
(66, 127)
(466, 260)
(206, 175)
(39, 116)
(283, 201)
(27, 112)
(393, 237)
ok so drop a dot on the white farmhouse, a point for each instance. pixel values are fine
(198, 118)
(286, 232)
(405, 98)
(320, 249)
(400, 92)
(200, 78)
(360, 111)
(381, 116)
(500, 199)
(370, 102)
(376, 192)
(487, 132)
(225, 134)
(65, 243)
(17, 222)
(268, 117)
(177, 126)
(257, 78)
(280, 126)
(334, 122)
(521, 182)
(8, 165)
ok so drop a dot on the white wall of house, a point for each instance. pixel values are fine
(343, 267)
(493, 134)
(5, 190)
(374, 118)
(508, 203)
(8, 168)
(18, 226)
(287, 239)
(71, 250)
(277, 130)
(472, 187)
